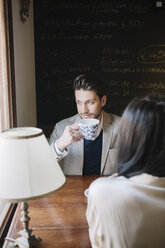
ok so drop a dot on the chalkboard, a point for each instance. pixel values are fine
(120, 41)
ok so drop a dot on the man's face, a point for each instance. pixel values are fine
(89, 105)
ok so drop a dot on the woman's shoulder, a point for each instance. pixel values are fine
(127, 188)
(107, 185)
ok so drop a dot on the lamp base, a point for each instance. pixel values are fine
(23, 242)
(27, 240)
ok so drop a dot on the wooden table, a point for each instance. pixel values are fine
(58, 220)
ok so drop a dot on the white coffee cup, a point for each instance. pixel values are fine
(88, 128)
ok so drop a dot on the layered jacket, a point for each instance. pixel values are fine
(72, 164)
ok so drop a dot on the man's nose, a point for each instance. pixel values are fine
(84, 108)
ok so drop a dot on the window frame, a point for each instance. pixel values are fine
(7, 77)
(7, 93)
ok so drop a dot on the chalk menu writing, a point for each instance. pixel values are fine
(120, 41)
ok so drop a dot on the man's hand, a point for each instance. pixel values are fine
(70, 135)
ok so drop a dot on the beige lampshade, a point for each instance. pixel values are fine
(28, 169)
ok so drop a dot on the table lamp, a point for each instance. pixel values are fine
(28, 170)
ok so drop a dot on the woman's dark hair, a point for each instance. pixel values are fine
(142, 138)
(84, 82)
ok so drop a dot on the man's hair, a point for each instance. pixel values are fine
(84, 82)
(142, 138)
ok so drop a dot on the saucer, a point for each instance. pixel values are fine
(86, 192)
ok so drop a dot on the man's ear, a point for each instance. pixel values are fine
(103, 101)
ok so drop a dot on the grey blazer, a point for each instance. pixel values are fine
(72, 164)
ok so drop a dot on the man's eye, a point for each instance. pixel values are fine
(90, 102)
(78, 102)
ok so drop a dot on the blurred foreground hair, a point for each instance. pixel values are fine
(142, 138)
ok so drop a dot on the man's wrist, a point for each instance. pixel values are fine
(58, 151)
(59, 146)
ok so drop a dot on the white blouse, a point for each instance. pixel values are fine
(127, 213)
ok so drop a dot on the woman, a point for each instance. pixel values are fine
(128, 211)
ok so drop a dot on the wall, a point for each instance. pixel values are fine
(119, 41)
(24, 66)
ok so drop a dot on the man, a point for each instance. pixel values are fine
(80, 156)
